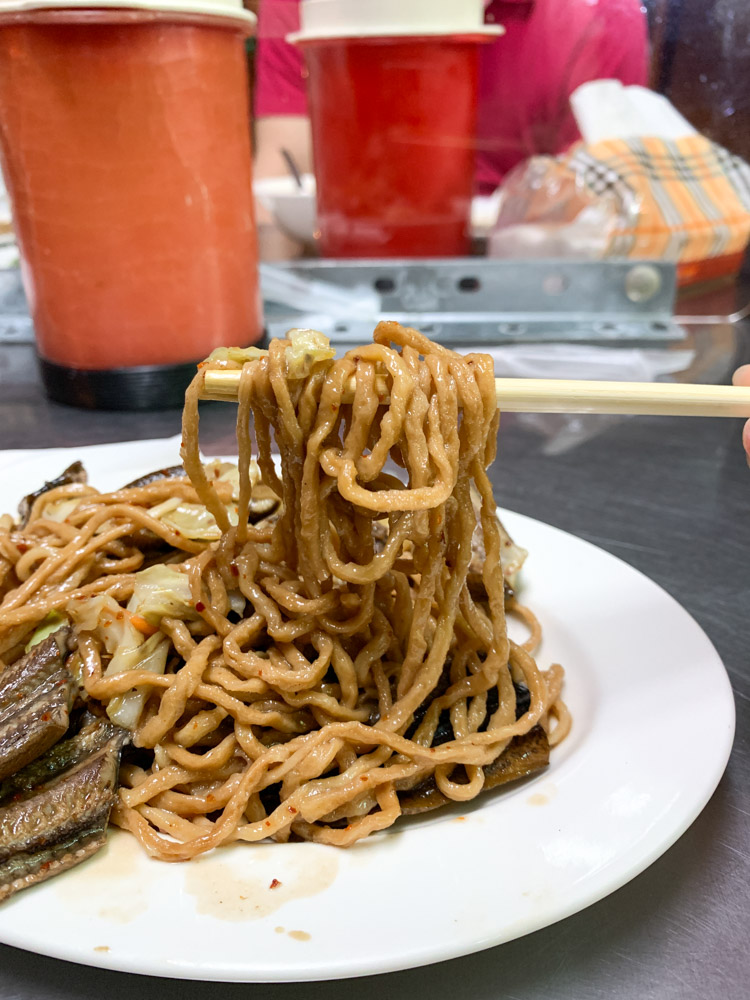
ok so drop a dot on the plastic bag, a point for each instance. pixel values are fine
(546, 210)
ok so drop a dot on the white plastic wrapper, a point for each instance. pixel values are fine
(310, 295)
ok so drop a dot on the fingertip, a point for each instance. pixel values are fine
(742, 375)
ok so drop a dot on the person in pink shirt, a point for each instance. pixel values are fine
(527, 75)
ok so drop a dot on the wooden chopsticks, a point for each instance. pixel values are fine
(521, 395)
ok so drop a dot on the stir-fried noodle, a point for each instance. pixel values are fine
(287, 673)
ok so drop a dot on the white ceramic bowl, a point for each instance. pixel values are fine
(291, 206)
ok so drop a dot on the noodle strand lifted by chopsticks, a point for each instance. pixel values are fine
(307, 713)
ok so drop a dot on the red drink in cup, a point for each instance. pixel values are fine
(392, 90)
(125, 142)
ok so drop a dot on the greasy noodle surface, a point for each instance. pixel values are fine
(293, 681)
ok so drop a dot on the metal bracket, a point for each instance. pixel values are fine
(470, 300)
(482, 301)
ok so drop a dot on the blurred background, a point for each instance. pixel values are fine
(561, 182)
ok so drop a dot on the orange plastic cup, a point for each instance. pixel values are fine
(393, 125)
(125, 143)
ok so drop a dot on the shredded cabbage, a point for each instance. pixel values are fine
(161, 592)
(234, 357)
(308, 347)
(512, 557)
(195, 522)
(49, 626)
(125, 709)
(227, 472)
(192, 519)
(59, 510)
(88, 615)
(237, 602)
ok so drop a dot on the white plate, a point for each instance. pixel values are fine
(653, 725)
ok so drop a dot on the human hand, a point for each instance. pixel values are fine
(742, 377)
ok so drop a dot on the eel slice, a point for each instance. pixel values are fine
(93, 734)
(173, 472)
(24, 870)
(524, 755)
(74, 473)
(56, 794)
(36, 695)
(64, 821)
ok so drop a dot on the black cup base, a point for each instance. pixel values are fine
(158, 387)
(151, 387)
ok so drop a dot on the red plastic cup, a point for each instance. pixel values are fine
(393, 126)
(125, 143)
(392, 87)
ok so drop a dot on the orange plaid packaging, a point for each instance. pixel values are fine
(686, 200)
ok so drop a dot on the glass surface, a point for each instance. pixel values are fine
(697, 57)
(675, 197)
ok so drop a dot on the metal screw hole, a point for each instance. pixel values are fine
(469, 284)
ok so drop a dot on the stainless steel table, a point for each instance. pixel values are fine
(669, 496)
